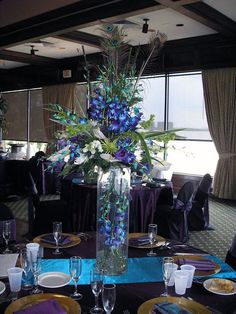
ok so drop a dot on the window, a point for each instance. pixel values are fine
(16, 116)
(187, 107)
(154, 100)
(175, 100)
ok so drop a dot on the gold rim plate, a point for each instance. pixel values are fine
(188, 305)
(69, 305)
(200, 273)
(160, 241)
(74, 240)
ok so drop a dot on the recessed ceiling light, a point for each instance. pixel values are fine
(179, 25)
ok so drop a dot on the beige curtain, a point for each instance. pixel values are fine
(219, 91)
(63, 95)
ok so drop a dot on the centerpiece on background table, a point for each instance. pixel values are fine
(110, 142)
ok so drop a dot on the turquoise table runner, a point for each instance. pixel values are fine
(144, 269)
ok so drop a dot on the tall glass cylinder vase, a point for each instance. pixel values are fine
(113, 220)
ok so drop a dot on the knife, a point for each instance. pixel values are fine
(191, 254)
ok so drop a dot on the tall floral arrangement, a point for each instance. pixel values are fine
(114, 130)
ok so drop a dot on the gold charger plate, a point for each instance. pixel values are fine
(75, 240)
(200, 258)
(160, 241)
(69, 305)
(188, 305)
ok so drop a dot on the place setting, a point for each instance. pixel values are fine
(57, 239)
(181, 278)
(148, 240)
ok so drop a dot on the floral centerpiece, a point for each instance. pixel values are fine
(114, 130)
(113, 137)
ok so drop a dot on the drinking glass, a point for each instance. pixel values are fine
(57, 230)
(96, 281)
(15, 277)
(167, 269)
(35, 265)
(108, 297)
(152, 234)
(27, 274)
(75, 272)
(6, 233)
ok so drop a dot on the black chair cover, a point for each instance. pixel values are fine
(47, 211)
(172, 220)
(198, 217)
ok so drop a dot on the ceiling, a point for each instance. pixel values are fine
(58, 32)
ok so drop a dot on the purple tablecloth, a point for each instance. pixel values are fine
(144, 201)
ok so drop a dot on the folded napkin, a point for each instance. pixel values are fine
(51, 306)
(142, 240)
(199, 264)
(49, 238)
(168, 308)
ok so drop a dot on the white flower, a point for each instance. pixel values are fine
(98, 134)
(80, 160)
(61, 154)
(93, 147)
(108, 158)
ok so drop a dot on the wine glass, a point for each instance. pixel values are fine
(109, 297)
(57, 230)
(25, 265)
(167, 269)
(6, 233)
(35, 265)
(75, 272)
(152, 234)
(96, 281)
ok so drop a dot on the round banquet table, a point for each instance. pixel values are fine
(143, 204)
(131, 296)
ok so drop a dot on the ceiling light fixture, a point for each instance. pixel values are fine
(145, 26)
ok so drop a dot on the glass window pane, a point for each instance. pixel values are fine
(191, 157)
(187, 106)
(154, 100)
(16, 116)
(37, 130)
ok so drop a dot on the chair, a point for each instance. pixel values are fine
(43, 212)
(198, 217)
(231, 254)
(172, 220)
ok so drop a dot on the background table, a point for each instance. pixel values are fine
(143, 204)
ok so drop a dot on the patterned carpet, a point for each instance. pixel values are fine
(216, 242)
(223, 220)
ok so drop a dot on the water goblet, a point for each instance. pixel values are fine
(96, 281)
(108, 297)
(167, 269)
(75, 273)
(152, 234)
(6, 233)
(57, 230)
(35, 265)
(27, 273)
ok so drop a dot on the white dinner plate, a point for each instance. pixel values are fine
(2, 287)
(219, 286)
(54, 279)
